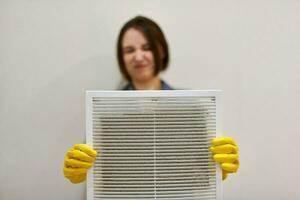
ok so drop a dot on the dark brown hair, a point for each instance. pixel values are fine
(156, 39)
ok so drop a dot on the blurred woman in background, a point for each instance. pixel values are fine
(143, 53)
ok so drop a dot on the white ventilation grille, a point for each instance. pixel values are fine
(152, 145)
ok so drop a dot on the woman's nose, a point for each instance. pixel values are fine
(139, 55)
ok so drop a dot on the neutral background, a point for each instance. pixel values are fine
(52, 51)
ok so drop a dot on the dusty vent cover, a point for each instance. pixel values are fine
(153, 145)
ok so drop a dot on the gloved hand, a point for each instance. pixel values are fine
(225, 152)
(77, 161)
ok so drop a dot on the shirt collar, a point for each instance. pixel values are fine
(164, 86)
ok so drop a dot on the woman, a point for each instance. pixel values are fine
(142, 55)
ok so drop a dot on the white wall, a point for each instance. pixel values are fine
(52, 51)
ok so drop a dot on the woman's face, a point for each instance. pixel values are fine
(137, 55)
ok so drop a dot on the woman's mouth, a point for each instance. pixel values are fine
(139, 66)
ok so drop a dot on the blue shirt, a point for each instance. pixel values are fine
(164, 86)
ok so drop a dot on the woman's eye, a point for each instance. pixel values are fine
(147, 48)
(128, 50)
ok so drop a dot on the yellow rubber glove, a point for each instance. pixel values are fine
(77, 161)
(225, 152)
